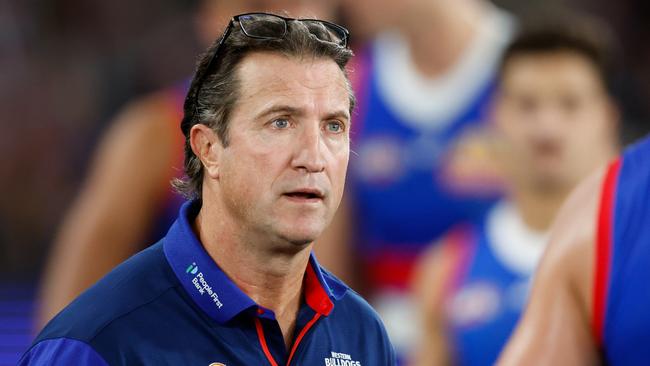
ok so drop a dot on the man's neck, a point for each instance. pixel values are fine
(439, 40)
(271, 278)
(538, 209)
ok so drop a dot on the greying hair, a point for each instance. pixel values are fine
(220, 89)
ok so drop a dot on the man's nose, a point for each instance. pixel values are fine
(549, 121)
(309, 149)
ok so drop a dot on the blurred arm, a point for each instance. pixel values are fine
(556, 328)
(115, 206)
(431, 278)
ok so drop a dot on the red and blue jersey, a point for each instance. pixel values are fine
(487, 288)
(171, 304)
(621, 313)
(407, 182)
(405, 128)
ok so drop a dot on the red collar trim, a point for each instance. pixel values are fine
(315, 294)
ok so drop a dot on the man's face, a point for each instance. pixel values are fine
(555, 119)
(282, 175)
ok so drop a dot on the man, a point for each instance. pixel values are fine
(266, 123)
(117, 211)
(590, 298)
(554, 123)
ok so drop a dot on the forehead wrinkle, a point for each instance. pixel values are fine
(301, 94)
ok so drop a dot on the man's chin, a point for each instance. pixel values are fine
(300, 237)
(551, 183)
(301, 229)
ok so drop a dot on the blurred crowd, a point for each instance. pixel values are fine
(66, 68)
(70, 71)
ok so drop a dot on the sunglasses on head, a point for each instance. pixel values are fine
(267, 26)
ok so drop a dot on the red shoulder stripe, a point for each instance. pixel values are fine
(604, 241)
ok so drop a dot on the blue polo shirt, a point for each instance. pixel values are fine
(172, 305)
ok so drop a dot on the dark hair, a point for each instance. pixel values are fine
(219, 91)
(564, 31)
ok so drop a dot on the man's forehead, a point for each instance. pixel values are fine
(274, 74)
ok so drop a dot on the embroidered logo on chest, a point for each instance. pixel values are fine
(340, 359)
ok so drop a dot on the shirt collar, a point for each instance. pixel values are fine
(211, 289)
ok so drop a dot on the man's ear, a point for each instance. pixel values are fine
(207, 146)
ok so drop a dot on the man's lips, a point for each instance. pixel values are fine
(305, 195)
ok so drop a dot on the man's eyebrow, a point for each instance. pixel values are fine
(279, 109)
(285, 109)
(342, 114)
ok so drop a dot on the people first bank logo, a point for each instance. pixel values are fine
(340, 359)
(202, 285)
(192, 269)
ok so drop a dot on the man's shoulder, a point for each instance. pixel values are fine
(353, 316)
(354, 303)
(138, 282)
(350, 303)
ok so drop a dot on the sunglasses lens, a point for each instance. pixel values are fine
(263, 26)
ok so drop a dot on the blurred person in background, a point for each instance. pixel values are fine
(589, 303)
(554, 122)
(423, 83)
(117, 208)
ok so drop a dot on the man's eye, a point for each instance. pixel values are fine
(334, 126)
(280, 123)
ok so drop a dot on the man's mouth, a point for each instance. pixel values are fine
(305, 195)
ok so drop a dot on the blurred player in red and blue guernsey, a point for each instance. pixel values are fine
(590, 300)
(423, 83)
(118, 209)
(554, 122)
